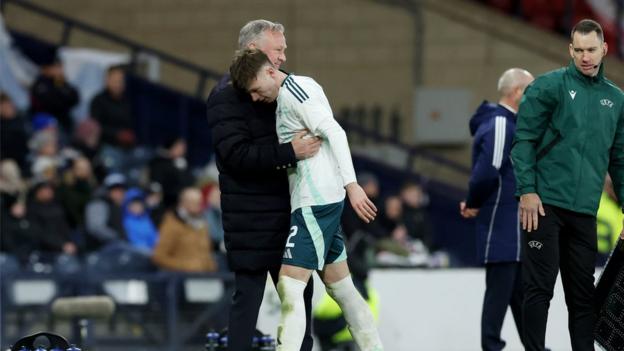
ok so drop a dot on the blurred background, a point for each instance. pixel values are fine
(103, 125)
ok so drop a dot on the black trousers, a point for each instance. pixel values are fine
(503, 288)
(565, 241)
(246, 301)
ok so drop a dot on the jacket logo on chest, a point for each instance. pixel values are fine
(606, 102)
(572, 94)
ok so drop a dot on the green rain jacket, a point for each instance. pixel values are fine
(570, 131)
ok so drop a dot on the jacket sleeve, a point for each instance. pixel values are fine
(536, 108)
(235, 148)
(96, 215)
(492, 152)
(616, 162)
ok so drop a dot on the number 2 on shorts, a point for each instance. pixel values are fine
(293, 232)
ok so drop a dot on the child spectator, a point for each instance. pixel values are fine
(140, 229)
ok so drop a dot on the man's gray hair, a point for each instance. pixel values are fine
(513, 78)
(253, 31)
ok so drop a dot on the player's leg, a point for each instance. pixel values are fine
(246, 301)
(303, 253)
(308, 340)
(290, 287)
(340, 287)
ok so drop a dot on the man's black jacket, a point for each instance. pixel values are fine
(252, 176)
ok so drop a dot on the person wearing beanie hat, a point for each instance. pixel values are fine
(43, 121)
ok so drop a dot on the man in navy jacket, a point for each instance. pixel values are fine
(491, 200)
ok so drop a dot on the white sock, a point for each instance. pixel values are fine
(357, 314)
(291, 330)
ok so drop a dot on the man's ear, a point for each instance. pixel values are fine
(271, 70)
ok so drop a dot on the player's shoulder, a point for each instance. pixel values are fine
(614, 88)
(300, 88)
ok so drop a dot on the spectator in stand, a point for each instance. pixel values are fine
(184, 244)
(112, 109)
(138, 225)
(213, 215)
(391, 218)
(76, 190)
(103, 215)
(87, 138)
(351, 223)
(154, 203)
(51, 93)
(169, 169)
(12, 186)
(46, 159)
(415, 216)
(15, 230)
(50, 228)
(13, 134)
(17, 239)
(86, 142)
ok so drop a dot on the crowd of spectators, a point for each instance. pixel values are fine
(80, 195)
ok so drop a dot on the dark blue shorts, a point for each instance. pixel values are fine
(315, 237)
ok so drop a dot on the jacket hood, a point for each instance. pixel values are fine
(133, 194)
(483, 113)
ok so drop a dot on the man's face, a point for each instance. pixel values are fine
(7, 110)
(273, 44)
(115, 82)
(45, 194)
(264, 88)
(117, 194)
(192, 202)
(587, 51)
(82, 168)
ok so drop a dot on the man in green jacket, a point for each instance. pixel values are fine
(570, 132)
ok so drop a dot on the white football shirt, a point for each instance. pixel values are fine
(319, 180)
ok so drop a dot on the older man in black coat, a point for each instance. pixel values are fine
(254, 186)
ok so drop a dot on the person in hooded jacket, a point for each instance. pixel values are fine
(140, 230)
(491, 200)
